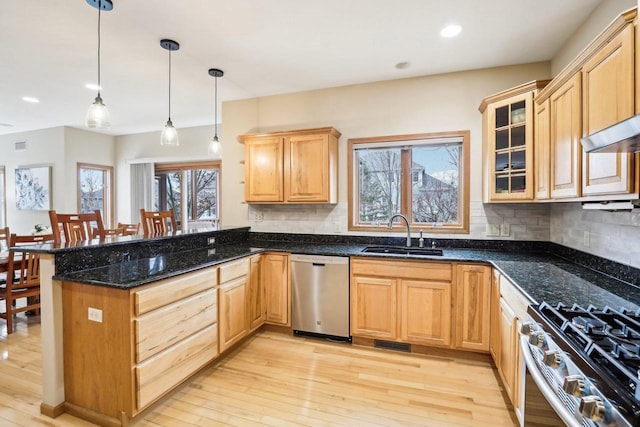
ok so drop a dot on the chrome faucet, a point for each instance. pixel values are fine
(407, 224)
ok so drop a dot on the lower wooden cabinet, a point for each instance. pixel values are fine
(277, 288)
(472, 307)
(255, 299)
(404, 301)
(135, 345)
(505, 329)
(234, 309)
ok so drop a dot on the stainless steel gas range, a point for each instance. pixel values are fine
(581, 366)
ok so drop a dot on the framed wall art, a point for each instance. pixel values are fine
(33, 188)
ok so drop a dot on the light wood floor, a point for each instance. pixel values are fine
(278, 380)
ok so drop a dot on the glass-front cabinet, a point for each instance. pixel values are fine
(508, 144)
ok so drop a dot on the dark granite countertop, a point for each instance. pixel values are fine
(540, 276)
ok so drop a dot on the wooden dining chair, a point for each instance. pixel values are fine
(24, 268)
(159, 222)
(76, 227)
(129, 229)
(108, 232)
(4, 239)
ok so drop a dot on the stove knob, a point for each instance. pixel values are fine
(538, 338)
(552, 358)
(593, 408)
(527, 328)
(574, 385)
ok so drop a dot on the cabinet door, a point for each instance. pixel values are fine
(566, 131)
(233, 312)
(510, 149)
(494, 336)
(508, 348)
(541, 150)
(263, 172)
(425, 312)
(277, 289)
(473, 287)
(255, 298)
(307, 168)
(373, 307)
(608, 98)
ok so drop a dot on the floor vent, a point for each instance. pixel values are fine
(388, 345)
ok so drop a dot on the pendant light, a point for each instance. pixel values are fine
(169, 135)
(98, 115)
(214, 145)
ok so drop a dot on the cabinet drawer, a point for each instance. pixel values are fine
(514, 298)
(234, 269)
(173, 289)
(166, 326)
(426, 270)
(159, 374)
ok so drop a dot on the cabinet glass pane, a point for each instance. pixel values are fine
(517, 136)
(502, 161)
(502, 139)
(502, 183)
(517, 112)
(518, 159)
(518, 183)
(502, 116)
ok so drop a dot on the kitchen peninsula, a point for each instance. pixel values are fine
(149, 273)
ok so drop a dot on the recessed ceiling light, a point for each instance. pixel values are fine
(92, 86)
(451, 31)
(30, 99)
(402, 65)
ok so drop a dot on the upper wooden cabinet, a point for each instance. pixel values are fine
(508, 143)
(594, 91)
(292, 167)
(608, 98)
(541, 151)
(565, 123)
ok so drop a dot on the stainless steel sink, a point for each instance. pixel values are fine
(402, 250)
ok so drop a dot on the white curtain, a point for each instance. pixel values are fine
(141, 189)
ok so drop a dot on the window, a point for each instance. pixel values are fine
(189, 189)
(423, 177)
(95, 183)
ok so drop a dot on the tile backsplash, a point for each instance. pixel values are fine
(611, 235)
(522, 221)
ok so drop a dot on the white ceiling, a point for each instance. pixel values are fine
(265, 47)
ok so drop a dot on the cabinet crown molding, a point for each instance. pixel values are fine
(518, 90)
(326, 130)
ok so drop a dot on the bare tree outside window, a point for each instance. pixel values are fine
(95, 190)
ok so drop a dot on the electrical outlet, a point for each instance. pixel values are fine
(336, 227)
(95, 315)
(211, 241)
(505, 230)
(493, 230)
(258, 216)
(586, 239)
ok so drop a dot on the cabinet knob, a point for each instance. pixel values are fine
(526, 328)
(538, 338)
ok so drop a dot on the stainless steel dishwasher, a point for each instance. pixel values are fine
(320, 304)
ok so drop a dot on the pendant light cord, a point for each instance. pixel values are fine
(169, 84)
(99, 13)
(215, 121)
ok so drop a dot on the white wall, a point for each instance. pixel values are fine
(598, 20)
(61, 148)
(416, 105)
(145, 148)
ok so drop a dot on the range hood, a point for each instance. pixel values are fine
(623, 137)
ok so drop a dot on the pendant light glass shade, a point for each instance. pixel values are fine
(215, 145)
(169, 136)
(98, 115)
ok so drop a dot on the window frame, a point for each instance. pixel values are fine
(186, 166)
(395, 141)
(109, 195)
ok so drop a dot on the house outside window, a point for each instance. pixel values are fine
(95, 190)
(424, 177)
(189, 189)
